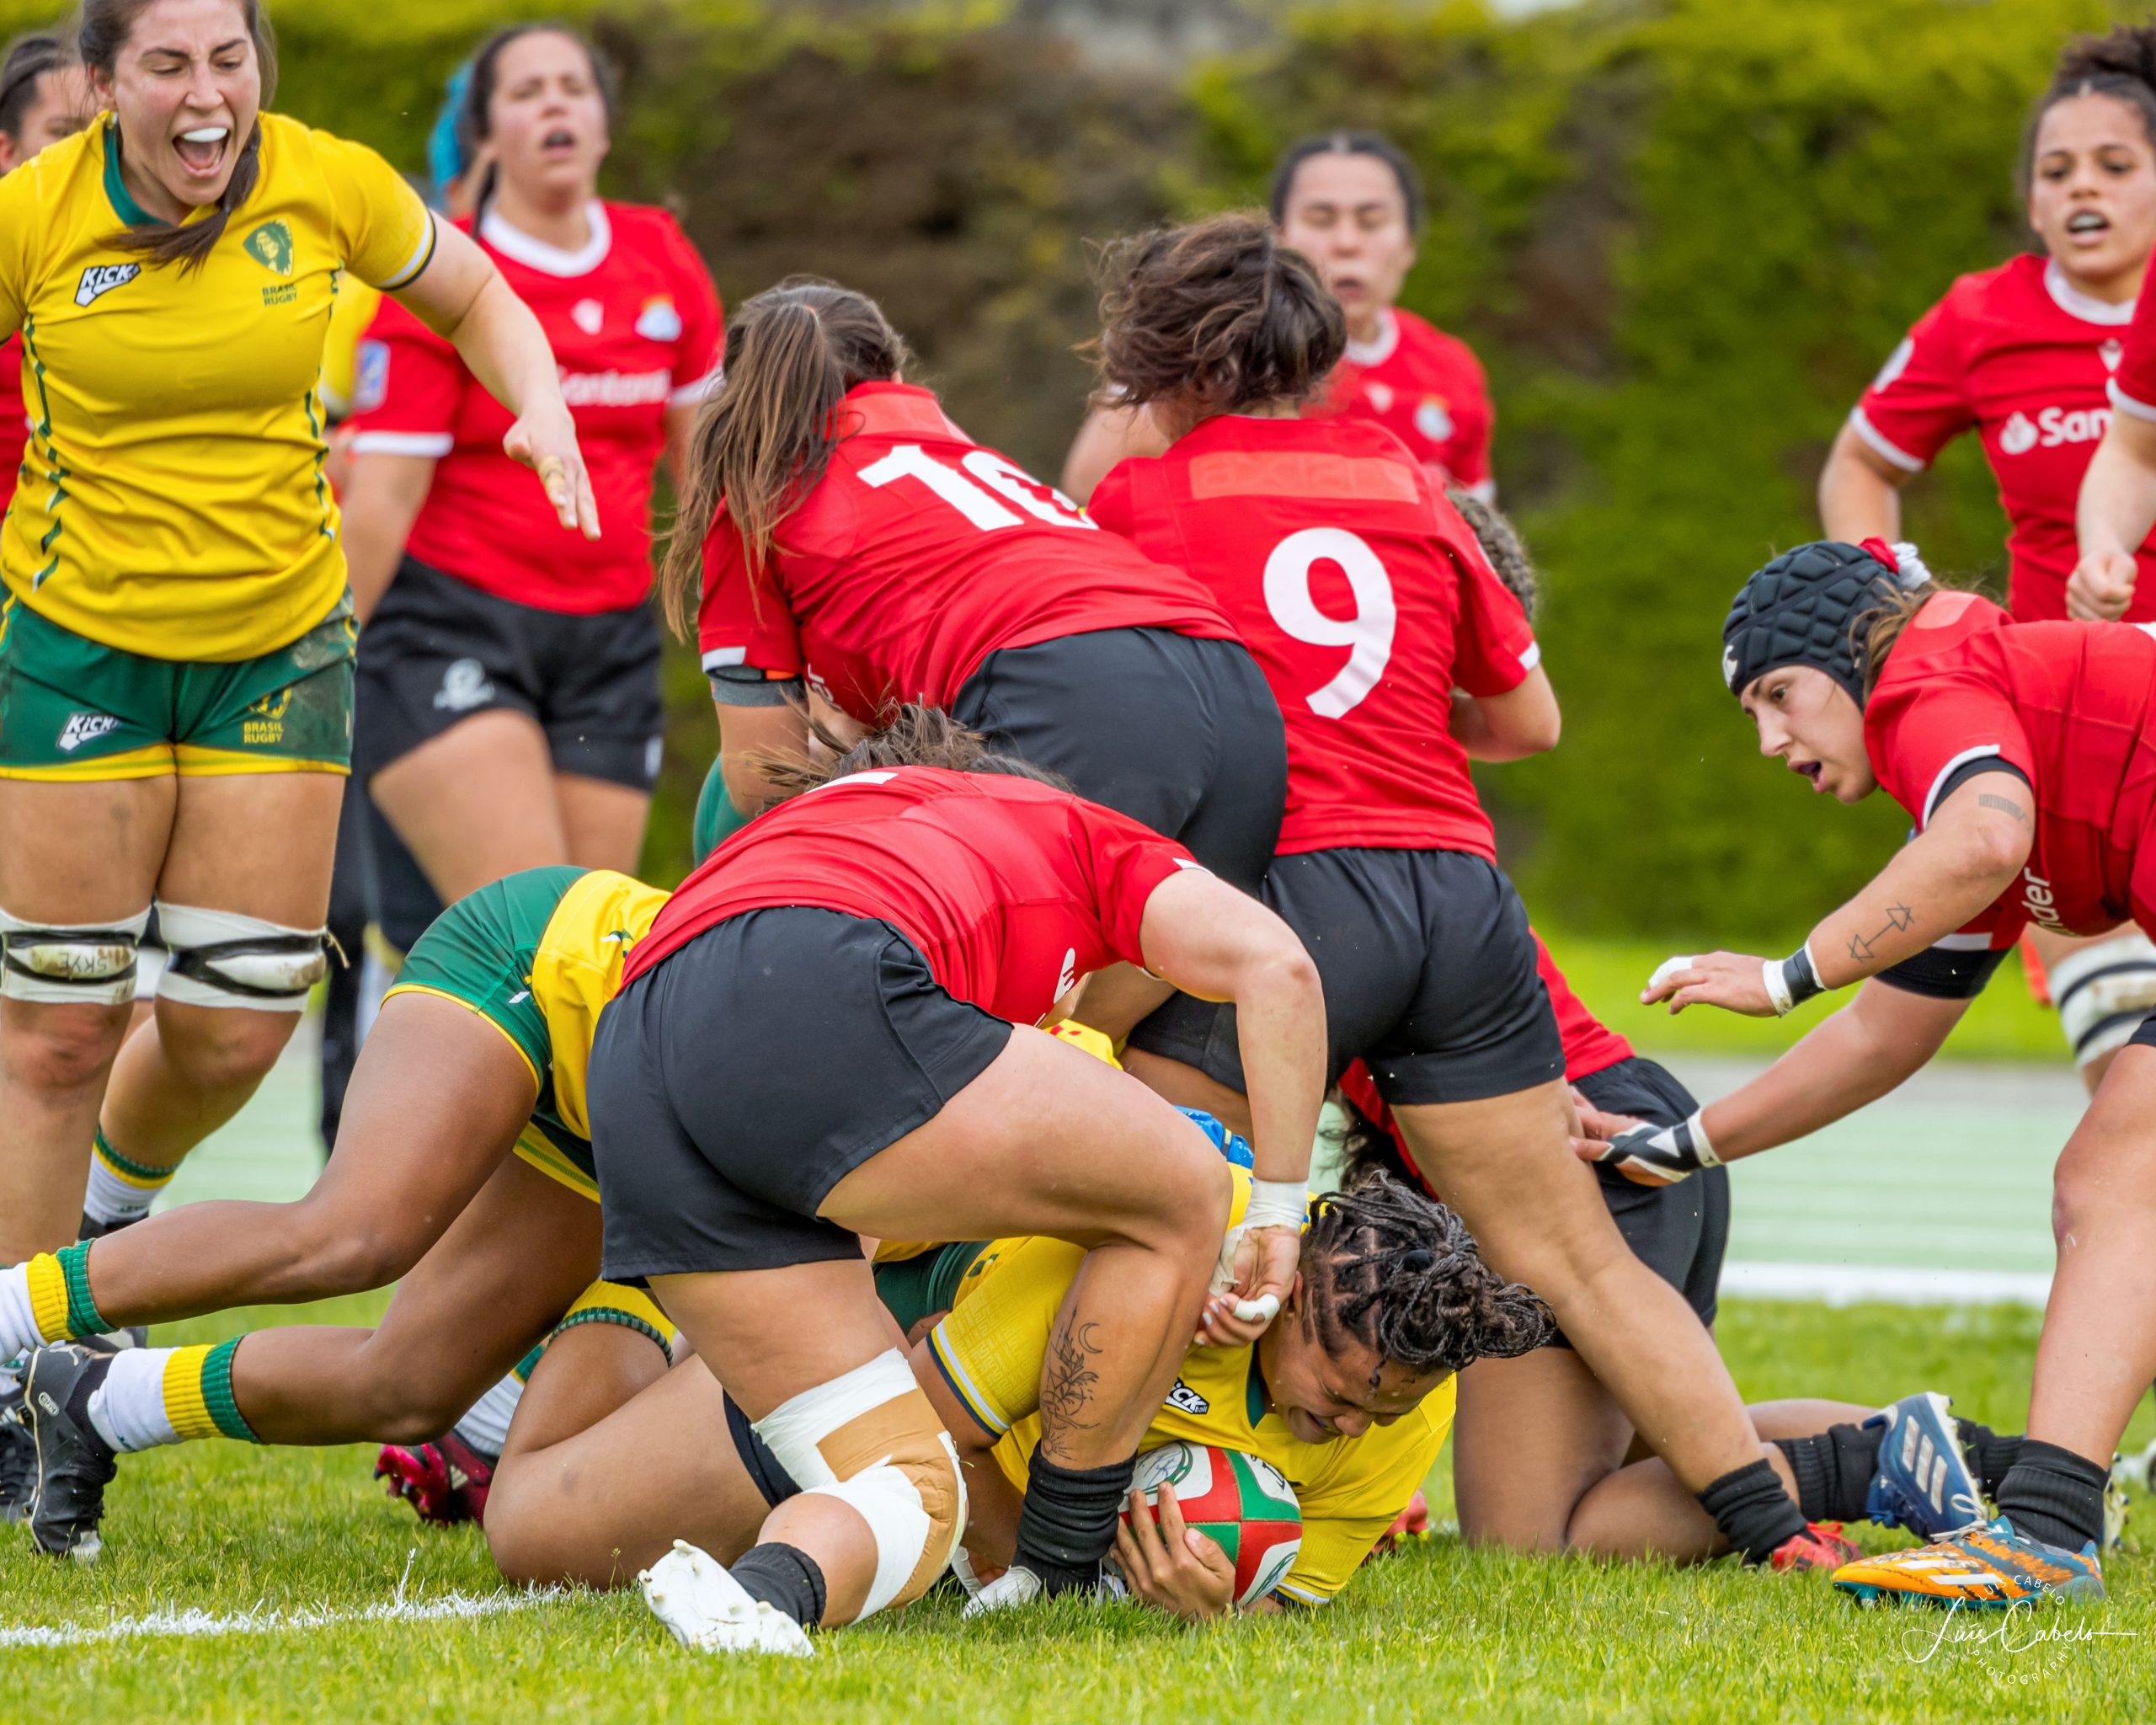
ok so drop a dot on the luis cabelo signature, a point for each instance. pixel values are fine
(2012, 1632)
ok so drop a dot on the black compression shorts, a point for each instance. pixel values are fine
(438, 650)
(1180, 733)
(1428, 970)
(739, 1080)
(1680, 1231)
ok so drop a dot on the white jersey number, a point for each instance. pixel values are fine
(1367, 635)
(974, 487)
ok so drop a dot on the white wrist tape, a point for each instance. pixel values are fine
(1770, 972)
(1276, 1203)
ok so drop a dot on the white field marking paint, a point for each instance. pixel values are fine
(447, 1607)
(1846, 1284)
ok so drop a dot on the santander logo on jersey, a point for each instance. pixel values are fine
(2052, 427)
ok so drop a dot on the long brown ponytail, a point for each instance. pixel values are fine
(105, 27)
(765, 439)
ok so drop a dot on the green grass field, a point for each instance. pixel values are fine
(1436, 1632)
(279, 1586)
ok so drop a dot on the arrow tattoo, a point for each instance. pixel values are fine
(1899, 919)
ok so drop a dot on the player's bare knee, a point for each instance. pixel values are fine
(61, 1051)
(223, 1051)
(334, 1252)
(871, 1441)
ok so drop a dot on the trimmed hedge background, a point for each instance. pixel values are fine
(1682, 235)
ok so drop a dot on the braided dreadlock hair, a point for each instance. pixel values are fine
(1501, 544)
(1397, 1271)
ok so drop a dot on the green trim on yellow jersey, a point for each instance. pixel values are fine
(179, 509)
(990, 1349)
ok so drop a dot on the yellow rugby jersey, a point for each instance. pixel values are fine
(349, 314)
(569, 974)
(173, 503)
(991, 1347)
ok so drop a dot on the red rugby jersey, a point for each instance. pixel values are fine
(1428, 389)
(636, 329)
(14, 418)
(918, 554)
(2024, 358)
(2073, 707)
(1365, 599)
(1010, 890)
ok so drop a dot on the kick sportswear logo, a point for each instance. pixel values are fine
(1187, 1400)
(83, 728)
(100, 279)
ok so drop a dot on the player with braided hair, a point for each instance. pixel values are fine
(2023, 354)
(1348, 1392)
(2025, 755)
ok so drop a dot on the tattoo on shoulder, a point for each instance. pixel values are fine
(1067, 1382)
(2005, 805)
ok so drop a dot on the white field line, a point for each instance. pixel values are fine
(267, 1620)
(1844, 1284)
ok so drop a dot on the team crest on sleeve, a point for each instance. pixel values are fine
(659, 320)
(100, 279)
(370, 383)
(270, 245)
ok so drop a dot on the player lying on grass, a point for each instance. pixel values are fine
(462, 1172)
(1397, 655)
(2025, 755)
(1348, 1392)
(1576, 1477)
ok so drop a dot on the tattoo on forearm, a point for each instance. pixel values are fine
(1068, 1381)
(2004, 805)
(1899, 919)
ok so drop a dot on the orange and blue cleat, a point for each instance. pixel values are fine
(1989, 1566)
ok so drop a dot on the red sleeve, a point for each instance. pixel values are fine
(2133, 385)
(1493, 646)
(697, 356)
(410, 383)
(1126, 861)
(1112, 503)
(1919, 730)
(1917, 405)
(738, 624)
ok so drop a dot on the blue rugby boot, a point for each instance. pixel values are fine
(1922, 1480)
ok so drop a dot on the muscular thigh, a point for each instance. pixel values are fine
(82, 852)
(257, 844)
(1532, 1437)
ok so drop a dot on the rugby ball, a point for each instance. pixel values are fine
(1242, 1503)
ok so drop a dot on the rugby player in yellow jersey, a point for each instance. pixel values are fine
(463, 1167)
(175, 646)
(1348, 1392)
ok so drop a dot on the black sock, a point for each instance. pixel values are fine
(1992, 1454)
(1755, 1514)
(1833, 1471)
(784, 1578)
(2054, 1495)
(78, 1400)
(1068, 1523)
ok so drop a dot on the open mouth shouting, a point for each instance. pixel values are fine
(1813, 770)
(2088, 227)
(558, 143)
(201, 150)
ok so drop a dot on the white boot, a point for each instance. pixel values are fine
(708, 1611)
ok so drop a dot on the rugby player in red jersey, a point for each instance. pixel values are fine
(2025, 755)
(44, 96)
(1351, 202)
(1539, 1446)
(851, 541)
(2024, 355)
(1397, 655)
(509, 713)
(825, 1034)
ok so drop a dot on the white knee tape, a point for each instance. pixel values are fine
(70, 963)
(2104, 993)
(915, 1532)
(220, 958)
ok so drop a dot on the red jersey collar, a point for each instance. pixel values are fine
(881, 410)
